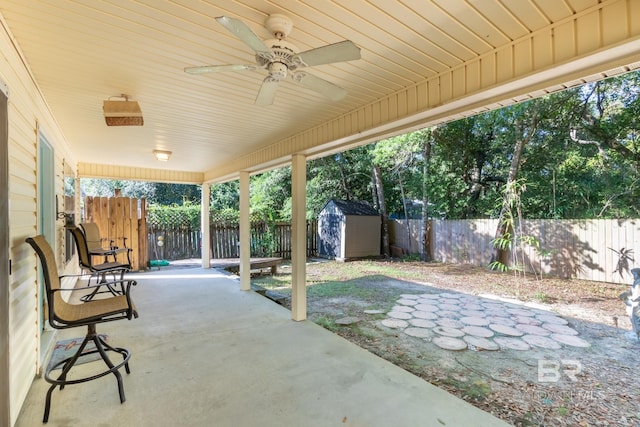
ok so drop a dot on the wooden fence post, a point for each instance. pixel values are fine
(142, 235)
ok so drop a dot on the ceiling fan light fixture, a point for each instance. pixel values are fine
(122, 113)
(162, 155)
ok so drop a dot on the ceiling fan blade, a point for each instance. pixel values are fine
(244, 33)
(218, 68)
(328, 89)
(267, 92)
(337, 52)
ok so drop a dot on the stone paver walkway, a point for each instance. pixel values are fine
(456, 321)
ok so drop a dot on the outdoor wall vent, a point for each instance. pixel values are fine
(122, 113)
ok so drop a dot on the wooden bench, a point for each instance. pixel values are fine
(258, 264)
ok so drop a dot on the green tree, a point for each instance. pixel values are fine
(270, 195)
(176, 194)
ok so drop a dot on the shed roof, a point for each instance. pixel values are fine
(353, 207)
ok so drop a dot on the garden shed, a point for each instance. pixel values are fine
(348, 229)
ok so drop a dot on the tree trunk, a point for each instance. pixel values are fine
(343, 181)
(502, 255)
(426, 223)
(406, 212)
(383, 211)
(374, 192)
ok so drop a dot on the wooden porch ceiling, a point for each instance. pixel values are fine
(423, 62)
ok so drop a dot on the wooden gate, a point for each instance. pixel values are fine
(124, 221)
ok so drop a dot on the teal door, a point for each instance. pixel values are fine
(46, 208)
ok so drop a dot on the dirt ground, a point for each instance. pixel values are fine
(593, 386)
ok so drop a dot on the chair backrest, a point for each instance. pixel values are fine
(82, 247)
(92, 235)
(57, 305)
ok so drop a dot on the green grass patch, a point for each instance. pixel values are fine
(340, 289)
(327, 322)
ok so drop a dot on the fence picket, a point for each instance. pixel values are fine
(117, 218)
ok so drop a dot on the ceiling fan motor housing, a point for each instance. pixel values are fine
(282, 60)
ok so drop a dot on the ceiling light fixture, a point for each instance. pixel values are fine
(123, 112)
(162, 155)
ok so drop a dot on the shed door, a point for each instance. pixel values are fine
(330, 236)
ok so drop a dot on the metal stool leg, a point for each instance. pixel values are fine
(101, 347)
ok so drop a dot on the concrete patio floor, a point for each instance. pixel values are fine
(205, 353)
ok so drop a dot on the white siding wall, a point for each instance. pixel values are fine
(27, 113)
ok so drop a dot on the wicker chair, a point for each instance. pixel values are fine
(63, 315)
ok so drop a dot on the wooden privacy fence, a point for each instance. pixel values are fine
(581, 249)
(267, 240)
(121, 219)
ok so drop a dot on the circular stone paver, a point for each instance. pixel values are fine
(506, 330)
(501, 320)
(520, 312)
(373, 312)
(346, 321)
(426, 307)
(472, 306)
(448, 307)
(403, 308)
(559, 329)
(539, 341)
(399, 315)
(472, 313)
(478, 331)
(449, 343)
(526, 320)
(422, 323)
(493, 306)
(418, 332)
(406, 301)
(430, 296)
(474, 321)
(449, 314)
(549, 318)
(424, 315)
(571, 340)
(512, 343)
(496, 313)
(448, 332)
(395, 323)
(479, 343)
(450, 323)
(410, 296)
(532, 329)
(450, 295)
(428, 301)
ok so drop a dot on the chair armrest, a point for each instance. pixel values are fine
(129, 282)
(126, 290)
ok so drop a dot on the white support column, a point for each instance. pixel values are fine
(245, 236)
(298, 237)
(77, 198)
(204, 221)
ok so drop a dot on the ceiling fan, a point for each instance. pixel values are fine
(281, 58)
